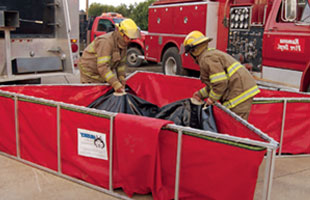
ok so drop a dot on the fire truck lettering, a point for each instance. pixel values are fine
(282, 47)
(295, 48)
(287, 41)
(290, 45)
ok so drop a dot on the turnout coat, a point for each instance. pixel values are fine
(104, 60)
(226, 79)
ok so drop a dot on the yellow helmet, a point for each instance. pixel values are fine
(193, 39)
(129, 28)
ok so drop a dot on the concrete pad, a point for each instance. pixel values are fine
(291, 179)
(22, 182)
(19, 181)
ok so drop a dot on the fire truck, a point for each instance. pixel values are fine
(106, 23)
(269, 36)
(38, 39)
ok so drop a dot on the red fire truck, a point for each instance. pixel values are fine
(271, 36)
(106, 23)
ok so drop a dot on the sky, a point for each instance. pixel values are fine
(108, 2)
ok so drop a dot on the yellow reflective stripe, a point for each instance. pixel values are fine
(214, 95)
(242, 97)
(233, 68)
(103, 59)
(218, 77)
(88, 74)
(108, 75)
(121, 68)
(203, 92)
(210, 49)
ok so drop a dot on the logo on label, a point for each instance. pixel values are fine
(92, 144)
(296, 45)
(98, 142)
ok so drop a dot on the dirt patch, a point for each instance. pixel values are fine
(146, 67)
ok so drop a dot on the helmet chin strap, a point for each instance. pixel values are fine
(194, 57)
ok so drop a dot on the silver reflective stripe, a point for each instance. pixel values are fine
(214, 95)
(242, 97)
(89, 74)
(203, 92)
(108, 75)
(218, 77)
(103, 59)
(233, 68)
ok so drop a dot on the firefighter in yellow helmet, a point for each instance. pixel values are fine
(226, 80)
(104, 60)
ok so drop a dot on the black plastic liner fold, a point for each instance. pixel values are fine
(124, 103)
(186, 113)
(183, 112)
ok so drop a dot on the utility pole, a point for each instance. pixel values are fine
(86, 9)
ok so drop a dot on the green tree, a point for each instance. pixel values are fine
(140, 14)
(137, 12)
(122, 9)
(96, 9)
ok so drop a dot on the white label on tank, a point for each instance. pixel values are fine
(92, 144)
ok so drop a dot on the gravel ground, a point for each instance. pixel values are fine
(146, 67)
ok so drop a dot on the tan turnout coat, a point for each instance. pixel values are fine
(104, 60)
(226, 79)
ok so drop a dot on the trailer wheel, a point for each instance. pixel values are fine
(132, 57)
(172, 64)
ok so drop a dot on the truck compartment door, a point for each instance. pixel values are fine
(36, 65)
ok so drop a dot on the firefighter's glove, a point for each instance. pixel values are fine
(118, 87)
(120, 90)
(197, 96)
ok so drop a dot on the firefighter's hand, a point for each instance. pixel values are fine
(197, 97)
(210, 101)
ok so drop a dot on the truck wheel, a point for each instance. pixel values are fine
(172, 64)
(132, 57)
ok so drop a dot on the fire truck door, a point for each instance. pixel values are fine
(286, 36)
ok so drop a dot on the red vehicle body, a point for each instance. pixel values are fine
(270, 36)
(106, 23)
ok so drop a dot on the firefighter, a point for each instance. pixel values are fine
(104, 60)
(226, 80)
